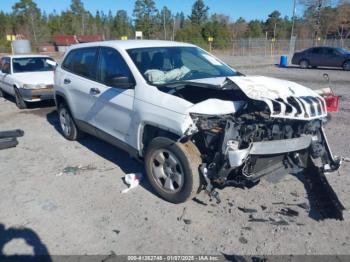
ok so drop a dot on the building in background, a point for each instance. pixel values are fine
(62, 42)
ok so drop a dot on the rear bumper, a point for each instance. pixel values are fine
(34, 95)
(266, 148)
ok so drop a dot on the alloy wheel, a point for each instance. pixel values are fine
(167, 171)
(65, 121)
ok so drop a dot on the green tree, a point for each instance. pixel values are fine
(192, 34)
(199, 14)
(219, 29)
(313, 15)
(273, 23)
(54, 23)
(144, 13)
(255, 29)
(28, 15)
(121, 25)
(80, 16)
(165, 20)
(67, 23)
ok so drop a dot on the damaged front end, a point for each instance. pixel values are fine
(267, 133)
(239, 150)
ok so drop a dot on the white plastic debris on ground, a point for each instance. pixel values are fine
(346, 159)
(133, 180)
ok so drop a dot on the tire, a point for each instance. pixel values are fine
(1, 93)
(68, 127)
(304, 64)
(164, 159)
(20, 103)
(346, 65)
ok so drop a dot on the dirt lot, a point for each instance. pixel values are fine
(85, 213)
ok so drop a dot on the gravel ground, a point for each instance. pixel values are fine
(85, 213)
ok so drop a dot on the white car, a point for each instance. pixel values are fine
(29, 78)
(196, 122)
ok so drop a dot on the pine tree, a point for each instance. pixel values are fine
(199, 14)
(145, 13)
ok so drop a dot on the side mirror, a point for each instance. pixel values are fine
(121, 82)
(51, 63)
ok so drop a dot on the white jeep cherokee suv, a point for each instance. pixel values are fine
(196, 122)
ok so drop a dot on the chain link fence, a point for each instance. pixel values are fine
(268, 47)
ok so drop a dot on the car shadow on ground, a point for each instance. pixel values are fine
(32, 105)
(109, 152)
(314, 212)
(40, 251)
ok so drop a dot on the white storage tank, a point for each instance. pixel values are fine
(21, 47)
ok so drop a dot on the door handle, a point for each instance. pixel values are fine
(95, 91)
(66, 81)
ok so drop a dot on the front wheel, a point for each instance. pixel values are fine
(69, 129)
(304, 64)
(346, 66)
(20, 103)
(172, 169)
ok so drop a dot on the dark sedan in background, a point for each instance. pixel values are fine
(323, 56)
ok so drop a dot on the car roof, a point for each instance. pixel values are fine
(130, 44)
(323, 47)
(25, 56)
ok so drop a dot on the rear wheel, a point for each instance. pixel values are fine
(20, 103)
(172, 169)
(346, 66)
(69, 129)
(304, 64)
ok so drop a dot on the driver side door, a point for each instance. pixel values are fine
(112, 110)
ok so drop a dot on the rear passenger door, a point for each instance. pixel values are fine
(112, 110)
(315, 56)
(331, 57)
(79, 78)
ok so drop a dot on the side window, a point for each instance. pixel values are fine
(316, 51)
(67, 63)
(5, 65)
(82, 62)
(111, 65)
(329, 51)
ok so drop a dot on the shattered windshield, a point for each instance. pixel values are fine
(164, 65)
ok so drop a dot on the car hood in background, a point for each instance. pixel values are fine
(35, 78)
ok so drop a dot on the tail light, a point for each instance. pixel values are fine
(332, 103)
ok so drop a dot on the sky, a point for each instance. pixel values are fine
(248, 9)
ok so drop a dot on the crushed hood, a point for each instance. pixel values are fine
(285, 99)
(216, 107)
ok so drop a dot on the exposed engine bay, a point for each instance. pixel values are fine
(259, 137)
(239, 150)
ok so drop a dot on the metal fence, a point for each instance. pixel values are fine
(268, 47)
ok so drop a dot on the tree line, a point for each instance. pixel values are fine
(320, 19)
